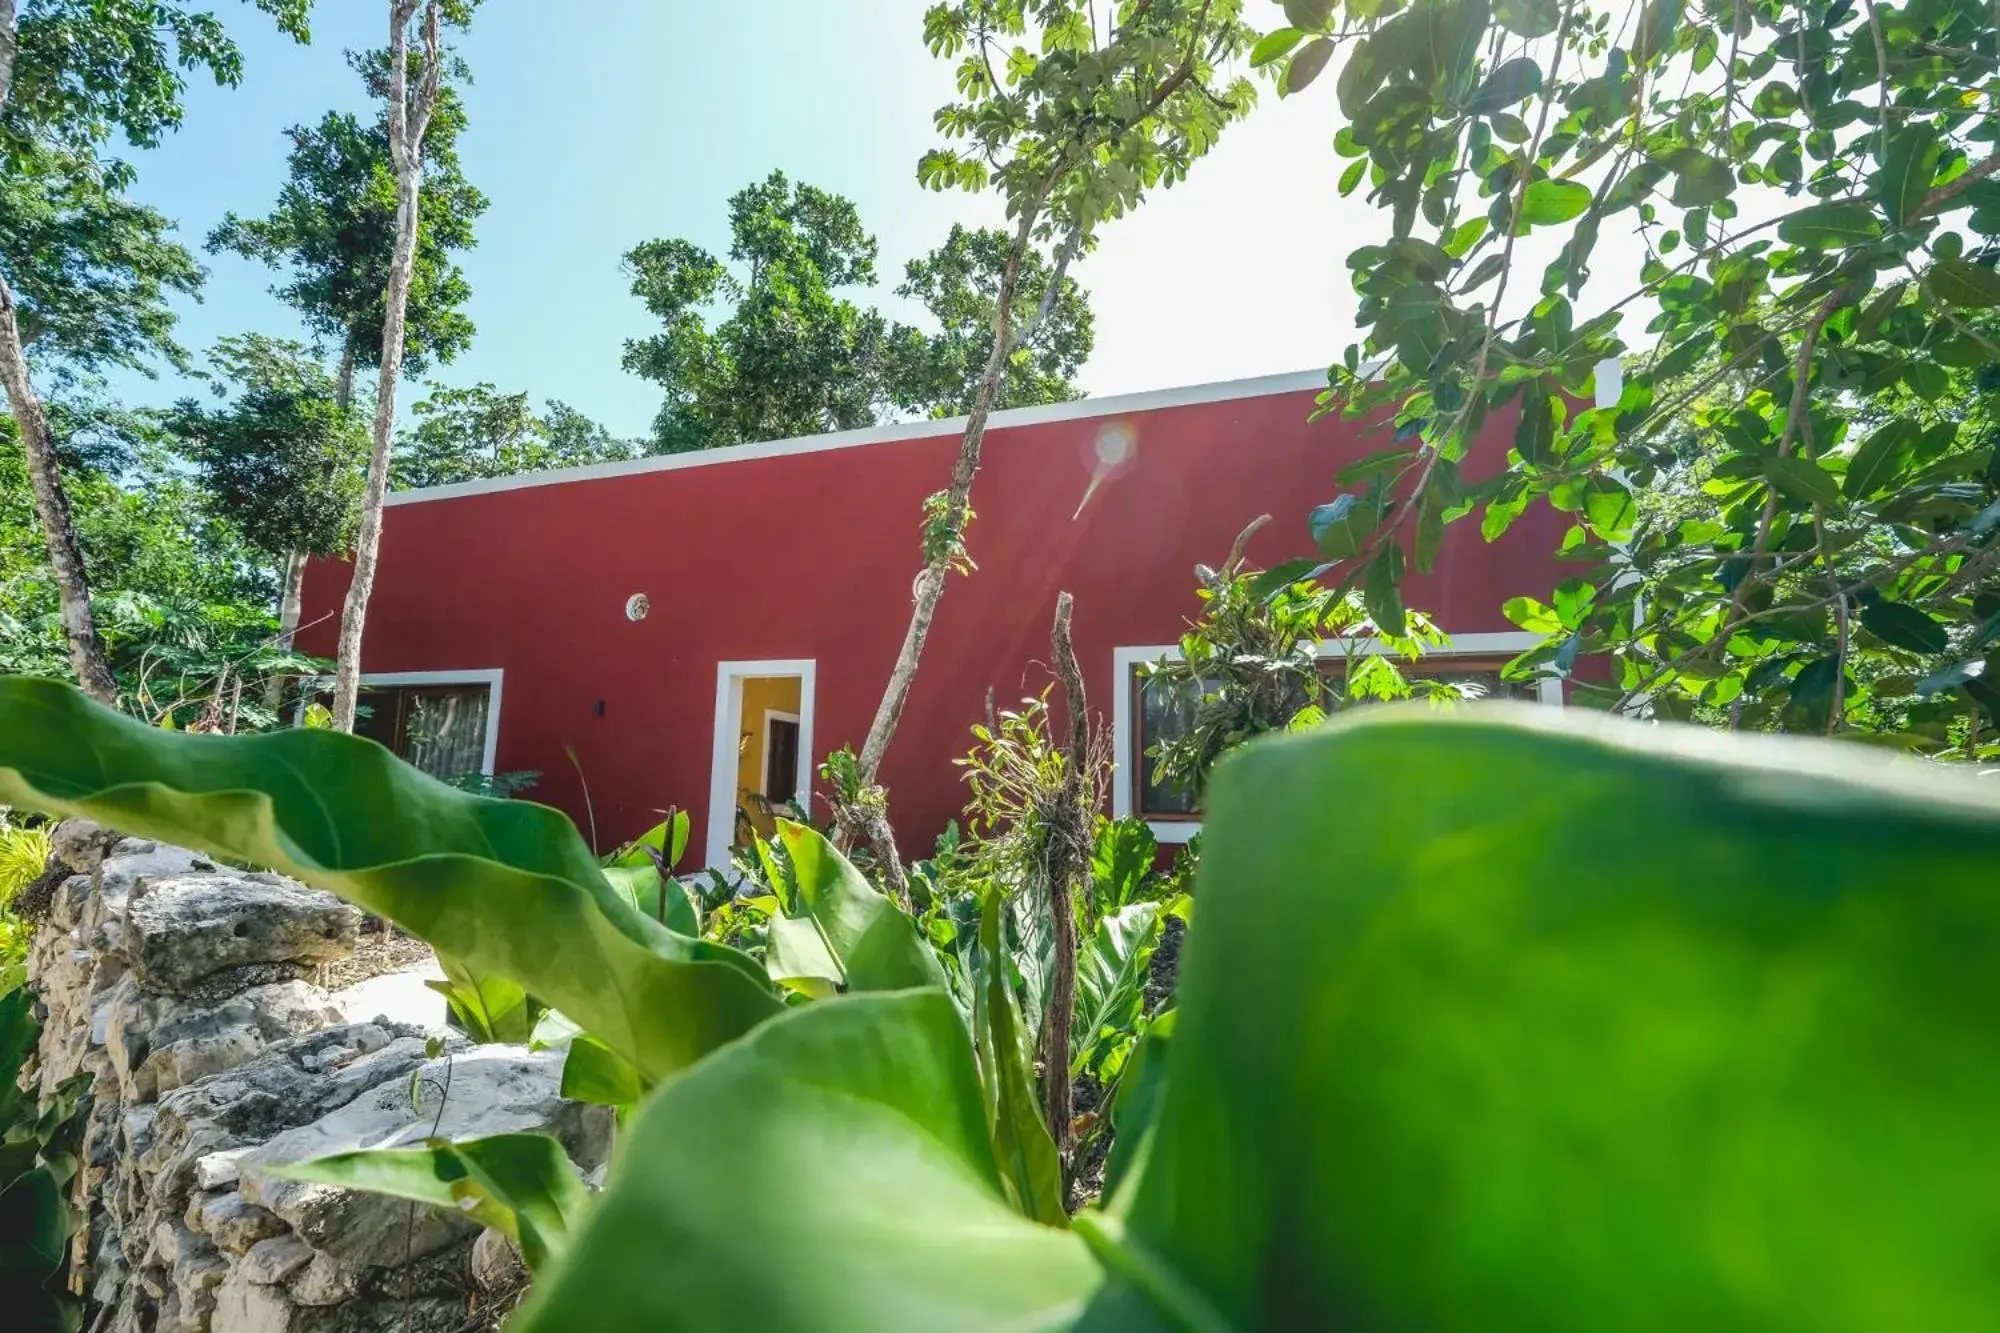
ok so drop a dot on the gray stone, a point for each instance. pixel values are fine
(497, 1266)
(246, 1306)
(191, 1041)
(233, 1222)
(324, 1281)
(217, 1170)
(493, 1090)
(182, 929)
(270, 1262)
(81, 844)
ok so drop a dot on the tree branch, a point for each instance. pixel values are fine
(1950, 190)
(9, 46)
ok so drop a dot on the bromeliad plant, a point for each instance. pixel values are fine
(1570, 1025)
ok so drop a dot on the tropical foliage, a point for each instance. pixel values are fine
(792, 356)
(1478, 1043)
(1808, 190)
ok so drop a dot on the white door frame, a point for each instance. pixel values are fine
(729, 678)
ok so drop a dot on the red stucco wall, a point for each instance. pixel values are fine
(812, 556)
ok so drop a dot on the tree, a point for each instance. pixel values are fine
(182, 602)
(334, 232)
(73, 72)
(938, 374)
(1085, 121)
(792, 356)
(1813, 189)
(467, 434)
(409, 117)
(282, 462)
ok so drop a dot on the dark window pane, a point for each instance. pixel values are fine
(1166, 710)
(375, 715)
(444, 729)
(781, 778)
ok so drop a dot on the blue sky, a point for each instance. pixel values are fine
(596, 124)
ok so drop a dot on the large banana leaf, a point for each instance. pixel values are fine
(837, 932)
(502, 886)
(1489, 1023)
(857, 1190)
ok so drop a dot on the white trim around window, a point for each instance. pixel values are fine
(729, 678)
(1125, 660)
(487, 676)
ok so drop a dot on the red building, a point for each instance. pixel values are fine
(699, 627)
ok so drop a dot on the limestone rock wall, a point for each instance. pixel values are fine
(185, 989)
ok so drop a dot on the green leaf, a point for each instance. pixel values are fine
(502, 886)
(522, 1185)
(1509, 128)
(858, 1123)
(1311, 15)
(1030, 1171)
(1961, 282)
(1701, 180)
(1802, 479)
(1549, 202)
(1904, 626)
(1796, 960)
(1137, 1104)
(1351, 177)
(1518, 79)
(1306, 66)
(1509, 1066)
(1828, 226)
(1380, 592)
(1880, 460)
(1529, 18)
(1535, 433)
(1656, 30)
(1610, 507)
(642, 886)
(1341, 527)
(1111, 972)
(842, 931)
(1274, 45)
(1531, 615)
(490, 1008)
(1368, 465)
(1280, 577)
(1121, 859)
(1904, 181)
(594, 1073)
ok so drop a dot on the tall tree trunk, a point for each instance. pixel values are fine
(8, 46)
(343, 384)
(930, 583)
(1067, 864)
(290, 602)
(289, 610)
(407, 123)
(86, 650)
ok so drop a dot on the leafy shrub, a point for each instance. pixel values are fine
(38, 1158)
(1447, 1055)
(24, 855)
